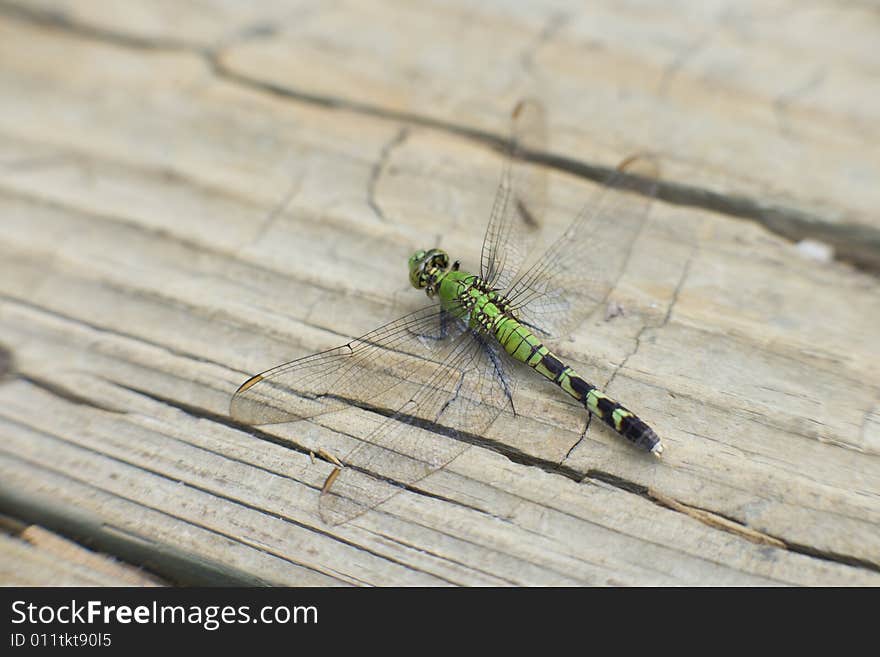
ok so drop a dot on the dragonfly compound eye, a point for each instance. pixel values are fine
(437, 258)
(425, 265)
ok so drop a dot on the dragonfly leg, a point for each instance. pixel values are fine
(495, 358)
(327, 456)
(328, 483)
(440, 331)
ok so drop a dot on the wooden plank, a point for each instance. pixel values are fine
(777, 119)
(158, 277)
(33, 556)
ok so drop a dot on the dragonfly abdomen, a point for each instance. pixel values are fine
(522, 344)
(489, 311)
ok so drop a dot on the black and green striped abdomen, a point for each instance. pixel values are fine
(487, 310)
(522, 344)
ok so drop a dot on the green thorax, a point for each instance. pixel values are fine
(468, 297)
(464, 295)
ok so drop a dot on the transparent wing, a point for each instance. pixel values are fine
(461, 396)
(366, 369)
(557, 293)
(520, 200)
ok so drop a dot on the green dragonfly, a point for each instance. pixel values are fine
(441, 375)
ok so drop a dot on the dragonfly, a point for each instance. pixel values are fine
(441, 375)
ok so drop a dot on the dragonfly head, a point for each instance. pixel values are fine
(426, 267)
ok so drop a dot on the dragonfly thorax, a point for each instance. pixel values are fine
(427, 269)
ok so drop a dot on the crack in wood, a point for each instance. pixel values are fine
(12, 526)
(7, 362)
(673, 300)
(638, 341)
(113, 332)
(709, 518)
(197, 247)
(755, 536)
(70, 551)
(768, 422)
(862, 247)
(620, 483)
(59, 20)
(856, 243)
(513, 454)
(151, 547)
(202, 413)
(167, 561)
(379, 167)
(853, 242)
(408, 545)
(67, 395)
(208, 415)
(716, 520)
(555, 23)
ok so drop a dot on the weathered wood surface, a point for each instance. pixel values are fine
(145, 275)
(32, 556)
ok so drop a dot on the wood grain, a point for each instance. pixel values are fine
(188, 198)
(35, 557)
